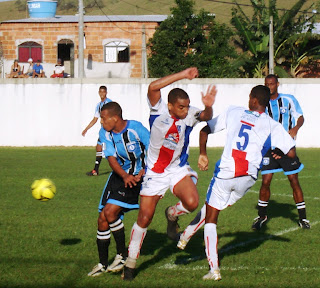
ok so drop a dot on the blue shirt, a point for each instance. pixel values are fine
(285, 109)
(37, 68)
(128, 147)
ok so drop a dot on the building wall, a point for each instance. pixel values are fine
(96, 34)
(53, 112)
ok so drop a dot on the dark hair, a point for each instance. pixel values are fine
(262, 94)
(175, 94)
(113, 108)
(103, 87)
(272, 76)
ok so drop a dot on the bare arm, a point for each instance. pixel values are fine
(203, 160)
(154, 93)
(92, 122)
(128, 179)
(294, 131)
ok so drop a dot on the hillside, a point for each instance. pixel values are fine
(222, 9)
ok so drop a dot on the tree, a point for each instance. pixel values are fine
(292, 37)
(185, 39)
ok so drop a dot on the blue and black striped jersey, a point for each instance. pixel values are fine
(285, 109)
(129, 146)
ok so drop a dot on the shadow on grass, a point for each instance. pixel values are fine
(282, 210)
(70, 241)
(157, 244)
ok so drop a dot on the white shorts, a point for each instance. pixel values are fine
(156, 184)
(225, 192)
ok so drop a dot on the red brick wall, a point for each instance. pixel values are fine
(96, 32)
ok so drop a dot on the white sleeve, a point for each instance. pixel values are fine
(280, 138)
(218, 123)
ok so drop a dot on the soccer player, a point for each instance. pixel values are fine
(167, 164)
(249, 134)
(124, 144)
(285, 109)
(103, 100)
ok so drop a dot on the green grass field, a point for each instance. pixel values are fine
(52, 244)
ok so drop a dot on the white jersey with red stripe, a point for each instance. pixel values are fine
(249, 136)
(169, 138)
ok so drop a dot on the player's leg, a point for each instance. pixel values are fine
(146, 212)
(211, 243)
(264, 196)
(192, 228)
(95, 171)
(112, 213)
(187, 192)
(103, 242)
(299, 200)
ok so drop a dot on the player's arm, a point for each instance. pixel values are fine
(92, 122)
(294, 131)
(154, 93)
(203, 160)
(208, 100)
(128, 179)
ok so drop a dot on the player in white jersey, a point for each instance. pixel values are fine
(104, 100)
(249, 134)
(167, 165)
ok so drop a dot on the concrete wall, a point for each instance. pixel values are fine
(53, 112)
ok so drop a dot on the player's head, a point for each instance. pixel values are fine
(111, 115)
(102, 92)
(259, 98)
(178, 103)
(272, 82)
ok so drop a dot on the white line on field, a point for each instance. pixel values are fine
(285, 195)
(171, 265)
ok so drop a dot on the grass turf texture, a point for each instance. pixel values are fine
(52, 244)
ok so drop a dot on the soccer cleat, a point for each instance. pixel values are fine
(128, 273)
(97, 270)
(182, 244)
(92, 173)
(215, 275)
(118, 264)
(259, 222)
(304, 224)
(173, 227)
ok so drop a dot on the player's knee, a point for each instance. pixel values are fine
(191, 204)
(144, 220)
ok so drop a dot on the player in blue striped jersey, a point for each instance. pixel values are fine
(285, 109)
(104, 100)
(124, 143)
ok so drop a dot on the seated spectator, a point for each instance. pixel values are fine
(58, 71)
(15, 70)
(29, 72)
(38, 70)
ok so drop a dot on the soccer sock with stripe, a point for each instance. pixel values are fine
(117, 229)
(136, 240)
(211, 244)
(195, 224)
(177, 210)
(262, 208)
(301, 206)
(98, 161)
(103, 242)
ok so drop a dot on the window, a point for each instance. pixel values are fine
(116, 51)
(28, 50)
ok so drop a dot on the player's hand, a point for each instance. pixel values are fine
(191, 73)
(276, 156)
(129, 180)
(203, 162)
(293, 132)
(140, 174)
(84, 133)
(210, 97)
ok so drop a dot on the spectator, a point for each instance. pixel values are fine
(38, 70)
(58, 71)
(29, 72)
(15, 71)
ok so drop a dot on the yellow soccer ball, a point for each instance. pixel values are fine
(43, 189)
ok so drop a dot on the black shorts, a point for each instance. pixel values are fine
(286, 164)
(115, 193)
